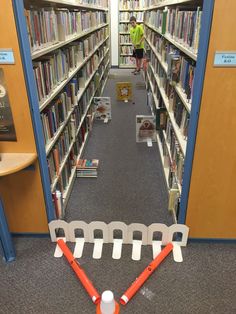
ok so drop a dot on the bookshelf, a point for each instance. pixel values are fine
(208, 203)
(171, 79)
(66, 64)
(127, 8)
(194, 162)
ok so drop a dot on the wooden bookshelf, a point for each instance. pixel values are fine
(178, 45)
(33, 186)
(123, 56)
(52, 95)
(69, 3)
(178, 89)
(161, 4)
(207, 198)
(43, 51)
(157, 59)
(21, 189)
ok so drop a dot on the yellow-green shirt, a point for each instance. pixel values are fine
(136, 33)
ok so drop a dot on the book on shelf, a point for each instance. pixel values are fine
(125, 16)
(48, 26)
(181, 24)
(131, 4)
(161, 118)
(126, 50)
(100, 3)
(124, 27)
(58, 204)
(173, 199)
(125, 39)
(127, 61)
(179, 69)
(55, 67)
(145, 128)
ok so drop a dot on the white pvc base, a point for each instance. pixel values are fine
(117, 248)
(58, 252)
(79, 247)
(156, 248)
(97, 250)
(136, 250)
(177, 253)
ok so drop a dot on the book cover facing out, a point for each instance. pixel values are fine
(7, 129)
(145, 128)
(124, 90)
(102, 107)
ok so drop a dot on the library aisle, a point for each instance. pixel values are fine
(130, 186)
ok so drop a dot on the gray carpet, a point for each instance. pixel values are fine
(130, 186)
(205, 283)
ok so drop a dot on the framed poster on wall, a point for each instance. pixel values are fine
(7, 129)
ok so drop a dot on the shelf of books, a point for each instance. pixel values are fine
(128, 8)
(70, 53)
(172, 37)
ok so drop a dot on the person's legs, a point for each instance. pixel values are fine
(139, 64)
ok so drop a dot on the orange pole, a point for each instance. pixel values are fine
(79, 272)
(137, 284)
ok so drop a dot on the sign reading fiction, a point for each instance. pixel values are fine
(225, 59)
(7, 129)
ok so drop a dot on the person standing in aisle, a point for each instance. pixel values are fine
(137, 39)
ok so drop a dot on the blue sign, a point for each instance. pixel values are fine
(225, 59)
(6, 56)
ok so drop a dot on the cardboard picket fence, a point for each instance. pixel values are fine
(168, 234)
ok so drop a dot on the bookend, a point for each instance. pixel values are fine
(177, 234)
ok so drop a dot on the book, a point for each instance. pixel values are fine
(145, 128)
(124, 91)
(87, 168)
(87, 164)
(102, 108)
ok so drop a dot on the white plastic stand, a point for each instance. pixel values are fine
(149, 142)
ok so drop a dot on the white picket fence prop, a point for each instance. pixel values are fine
(148, 233)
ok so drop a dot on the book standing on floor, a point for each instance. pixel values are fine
(87, 168)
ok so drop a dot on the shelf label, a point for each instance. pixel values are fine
(225, 59)
(6, 56)
(7, 129)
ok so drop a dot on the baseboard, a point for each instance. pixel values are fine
(30, 235)
(211, 240)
